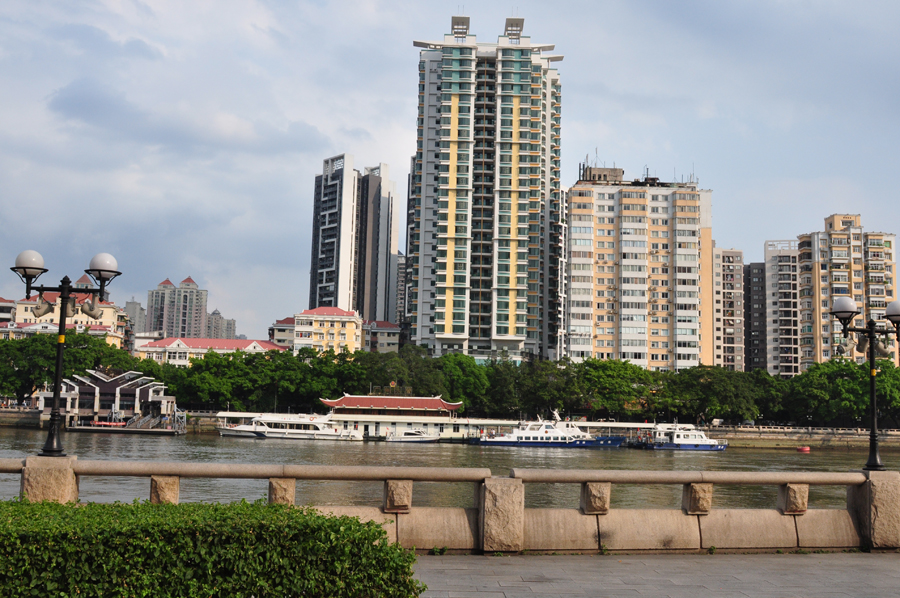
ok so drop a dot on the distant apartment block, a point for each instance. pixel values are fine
(137, 315)
(381, 337)
(484, 215)
(636, 290)
(801, 280)
(401, 289)
(177, 312)
(327, 328)
(755, 316)
(729, 293)
(842, 261)
(219, 326)
(354, 240)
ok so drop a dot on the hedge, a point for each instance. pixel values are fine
(196, 550)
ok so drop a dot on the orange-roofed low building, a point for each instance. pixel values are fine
(327, 328)
(381, 336)
(179, 351)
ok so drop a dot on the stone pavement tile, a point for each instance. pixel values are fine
(476, 595)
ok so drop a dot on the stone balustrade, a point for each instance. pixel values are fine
(498, 521)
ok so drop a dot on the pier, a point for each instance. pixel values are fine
(498, 522)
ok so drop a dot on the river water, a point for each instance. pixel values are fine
(17, 443)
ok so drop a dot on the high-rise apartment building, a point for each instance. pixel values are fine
(728, 280)
(754, 316)
(178, 312)
(219, 326)
(485, 232)
(137, 315)
(781, 309)
(801, 280)
(354, 240)
(637, 290)
(842, 261)
(401, 289)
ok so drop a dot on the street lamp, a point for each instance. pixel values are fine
(29, 266)
(844, 309)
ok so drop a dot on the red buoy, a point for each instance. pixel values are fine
(802, 449)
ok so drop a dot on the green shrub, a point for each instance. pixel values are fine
(195, 550)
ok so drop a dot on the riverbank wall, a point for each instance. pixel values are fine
(782, 437)
(498, 522)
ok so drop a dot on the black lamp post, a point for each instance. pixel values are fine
(844, 309)
(29, 266)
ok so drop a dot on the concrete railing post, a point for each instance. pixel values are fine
(793, 499)
(165, 489)
(696, 499)
(398, 496)
(282, 491)
(503, 515)
(875, 505)
(595, 497)
(49, 478)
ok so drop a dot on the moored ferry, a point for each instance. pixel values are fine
(291, 427)
(678, 437)
(555, 434)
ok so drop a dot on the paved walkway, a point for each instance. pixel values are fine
(855, 575)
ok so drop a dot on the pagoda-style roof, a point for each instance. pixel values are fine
(392, 402)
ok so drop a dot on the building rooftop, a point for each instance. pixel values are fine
(214, 343)
(391, 402)
(285, 321)
(166, 283)
(327, 311)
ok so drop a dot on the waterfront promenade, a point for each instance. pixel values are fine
(856, 575)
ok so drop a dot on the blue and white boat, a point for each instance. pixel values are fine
(555, 434)
(678, 437)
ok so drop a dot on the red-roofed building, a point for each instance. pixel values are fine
(381, 336)
(179, 351)
(391, 405)
(112, 317)
(7, 310)
(282, 333)
(16, 331)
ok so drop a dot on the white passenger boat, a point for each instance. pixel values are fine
(290, 426)
(414, 435)
(678, 437)
(555, 434)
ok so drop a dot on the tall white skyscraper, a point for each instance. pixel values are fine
(484, 225)
(354, 240)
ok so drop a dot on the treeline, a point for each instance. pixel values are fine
(834, 393)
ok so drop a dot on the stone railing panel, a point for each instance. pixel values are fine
(826, 528)
(398, 496)
(433, 527)
(748, 528)
(560, 529)
(876, 506)
(649, 529)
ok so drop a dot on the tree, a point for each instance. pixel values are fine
(464, 379)
(503, 396)
(612, 386)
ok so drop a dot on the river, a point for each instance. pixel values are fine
(19, 442)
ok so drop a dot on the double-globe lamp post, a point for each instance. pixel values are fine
(29, 266)
(844, 309)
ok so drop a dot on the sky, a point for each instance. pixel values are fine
(184, 137)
